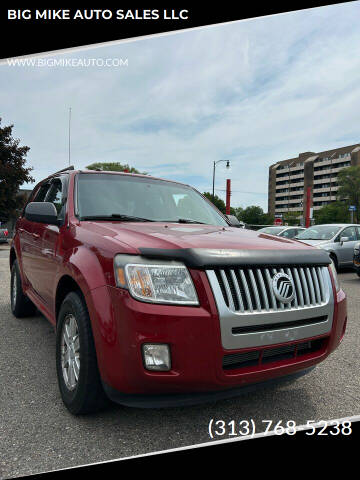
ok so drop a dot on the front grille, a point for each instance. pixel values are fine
(250, 289)
(262, 356)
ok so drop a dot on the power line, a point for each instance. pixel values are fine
(240, 191)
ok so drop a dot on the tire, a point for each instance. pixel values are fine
(21, 305)
(75, 346)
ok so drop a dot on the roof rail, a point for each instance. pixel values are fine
(64, 170)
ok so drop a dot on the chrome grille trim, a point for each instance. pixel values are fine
(237, 289)
(247, 291)
(263, 289)
(244, 297)
(308, 282)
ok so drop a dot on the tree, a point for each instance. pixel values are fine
(269, 219)
(239, 211)
(335, 212)
(113, 167)
(349, 188)
(218, 202)
(13, 172)
(292, 218)
(254, 215)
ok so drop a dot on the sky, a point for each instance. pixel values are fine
(253, 92)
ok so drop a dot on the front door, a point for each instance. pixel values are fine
(47, 242)
(29, 240)
(345, 250)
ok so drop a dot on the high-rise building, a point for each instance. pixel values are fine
(289, 179)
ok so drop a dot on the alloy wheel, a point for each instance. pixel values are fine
(70, 352)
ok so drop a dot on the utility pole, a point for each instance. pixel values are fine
(215, 163)
(308, 207)
(228, 195)
(69, 133)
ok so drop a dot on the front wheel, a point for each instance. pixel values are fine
(76, 363)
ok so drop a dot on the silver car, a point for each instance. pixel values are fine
(337, 239)
(283, 231)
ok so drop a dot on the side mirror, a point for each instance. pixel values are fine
(234, 221)
(41, 212)
(344, 239)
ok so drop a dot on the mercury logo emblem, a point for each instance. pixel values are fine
(283, 287)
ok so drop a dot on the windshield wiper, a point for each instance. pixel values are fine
(117, 216)
(183, 220)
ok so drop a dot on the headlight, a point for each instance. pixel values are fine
(335, 276)
(156, 283)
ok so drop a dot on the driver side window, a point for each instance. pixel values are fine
(349, 232)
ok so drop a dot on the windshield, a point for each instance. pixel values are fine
(144, 199)
(271, 230)
(319, 232)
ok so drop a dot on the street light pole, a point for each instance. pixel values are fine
(213, 189)
(215, 163)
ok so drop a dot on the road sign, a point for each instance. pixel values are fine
(352, 208)
(278, 221)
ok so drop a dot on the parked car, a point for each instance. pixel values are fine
(4, 235)
(356, 259)
(156, 300)
(283, 231)
(235, 222)
(337, 239)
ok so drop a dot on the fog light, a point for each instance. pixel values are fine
(156, 356)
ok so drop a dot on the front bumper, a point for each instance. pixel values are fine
(189, 399)
(121, 325)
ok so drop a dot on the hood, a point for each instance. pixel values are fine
(138, 235)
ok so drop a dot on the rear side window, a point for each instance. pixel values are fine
(55, 196)
(41, 193)
(286, 234)
(292, 232)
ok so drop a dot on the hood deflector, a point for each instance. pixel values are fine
(212, 258)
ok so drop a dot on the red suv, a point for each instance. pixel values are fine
(158, 300)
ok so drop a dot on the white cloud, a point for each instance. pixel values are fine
(255, 92)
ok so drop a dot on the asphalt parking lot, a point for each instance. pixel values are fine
(38, 434)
